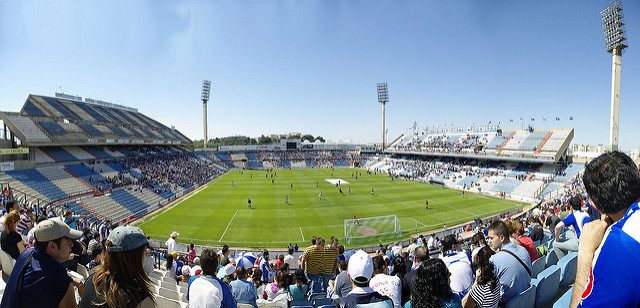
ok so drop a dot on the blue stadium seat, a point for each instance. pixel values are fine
(565, 300)
(546, 285)
(525, 299)
(568, 267)
(537, 267)
(321, 301)
(551, 258)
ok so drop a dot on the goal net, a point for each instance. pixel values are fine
(371, 230)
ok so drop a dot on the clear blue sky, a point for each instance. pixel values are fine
(312, 66)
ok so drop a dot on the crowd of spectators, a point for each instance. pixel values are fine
(312, 156)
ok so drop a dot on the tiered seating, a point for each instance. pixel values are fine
(570, 172)
(223, 156)
(19, 186)
(506, 185)
(469, 180)
(60, 108)
(518, 138)
(79, 153)
(113, 152)
(527, 189)
(67, 183)
(238, 156)
(88, 109)
(132, 203)
(58, 154)
(86, 174)
(52, 128)
(32, 132)
(107, 208)
(35, 180)
(31, 109)
(97, 152)
(550, 187)
(91, 130)
(496, 142)
(120, 132)
(534, 140)
(42, 157)
(556, 140)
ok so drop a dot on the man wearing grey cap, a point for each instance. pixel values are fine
(38, 278)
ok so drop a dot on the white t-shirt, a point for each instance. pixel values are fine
(430, 243)
(412, 249)
(171, 245)
(292, 261)
(390, 286)
(397, 250)
(459, 266)
(205, 292)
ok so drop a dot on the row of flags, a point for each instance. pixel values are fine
(510, 120)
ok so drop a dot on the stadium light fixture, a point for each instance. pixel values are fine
(383, 98)
(206, 91)
(615, 37)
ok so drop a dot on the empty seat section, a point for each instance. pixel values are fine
(118, 131)
(108, 113)
(534, 140)
(59, 154)
(28, 128)
(31, 109)
(52, 128)
(91, 130)
(124, 116)
(92, 112)
(135, 205)
(60, 108)
(88, 175)
(97, 152)
(38, 182)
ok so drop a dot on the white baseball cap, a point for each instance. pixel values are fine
(360, 267)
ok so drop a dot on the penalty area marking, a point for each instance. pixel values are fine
(230, 221)
(302, 234)
(335, 181)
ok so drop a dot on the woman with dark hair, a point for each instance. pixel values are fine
(299, 288)
(279, 286)
(120, 281)
(10, 240)
(256, 278)
(477, 242)
(431, 287)
(399, 268)
(485, 292)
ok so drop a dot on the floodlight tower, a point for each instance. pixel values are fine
(615, 36)
(383, 98)
(206, 90)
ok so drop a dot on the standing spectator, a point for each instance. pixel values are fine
(191, 253)
(312, 264)
(459, 265)
(73, 220)
(206, 290)
(576, 220)
(384, 284)
(608, 261)
(552, 220)
(291, 260)
(10, 240)
(512, 262)
(360, 270)
(104, 230)
(412, 247)
(485, 292)
(224, 255)
(171, 242)
(263, 263)
(121, 280)
(396, 250)
(431, 287)
(243, 291)
(148, 261)
(44, 275)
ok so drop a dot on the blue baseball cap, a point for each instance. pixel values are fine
(125, 238)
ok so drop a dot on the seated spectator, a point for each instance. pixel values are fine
(516, 231)
(477, 242)
(172, 268)
(576, 219)
(431, 287)
(279, 286)
(228, 271)
(400, 265)
(287, 273)
(512, 262)
(256, 279)
(299, 289)
(31, 240)
(44, 274)
(97, 259)
(485, 292)
(192, 253)
(384, 284)
(342, 285)
(206, 290)
(280, 261)
(10, 240)
(196, 269)
(93, 243)
(459, 265)
(360, 270)
(421, 255)
(121, 280)
(536, 233)
(243, 291)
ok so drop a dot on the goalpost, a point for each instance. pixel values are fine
(370, 230)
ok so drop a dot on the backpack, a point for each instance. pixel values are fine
(542, 250)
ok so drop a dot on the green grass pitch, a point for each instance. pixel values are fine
(219, 213)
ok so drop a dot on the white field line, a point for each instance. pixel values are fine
(230, 221)
(451, 207)
(302, 234)
(417, 221)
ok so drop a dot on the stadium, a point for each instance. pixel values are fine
(497, 145)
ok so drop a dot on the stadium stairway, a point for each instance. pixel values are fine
(570, 172)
